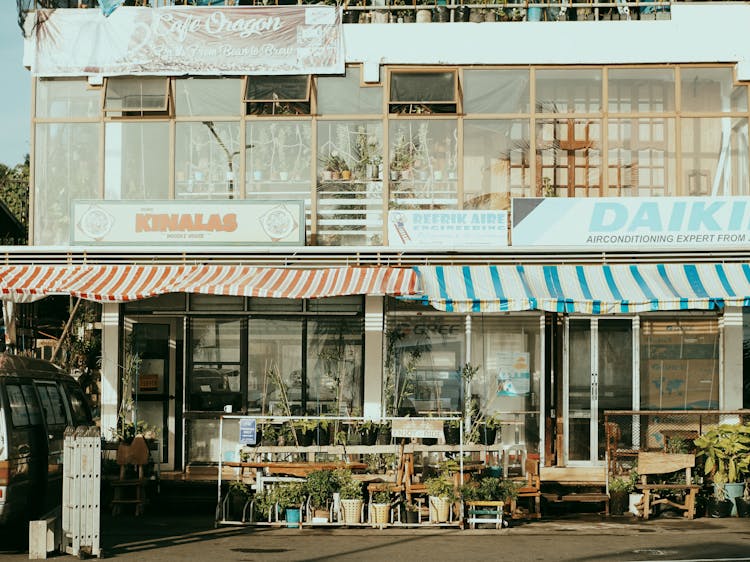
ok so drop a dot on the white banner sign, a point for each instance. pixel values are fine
(187, 223)
(189, 40)
(447, 229)
(695, 222)
(417, 427)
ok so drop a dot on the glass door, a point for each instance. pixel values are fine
(598, 376)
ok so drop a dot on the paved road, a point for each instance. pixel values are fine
(580, 539)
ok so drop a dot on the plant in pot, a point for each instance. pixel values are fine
(442, 495)
(743, 503)
(725, 449)
(368, 431)
(381, 504)
(719, 504)
(321, 485)
(288, 499)
(236, 500)
(412, 513)
(350, 492)
(452, 431)
(619, 494)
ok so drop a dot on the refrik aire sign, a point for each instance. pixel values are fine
(636, 223)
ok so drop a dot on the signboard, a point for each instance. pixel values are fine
(636, 222)
(247, 431)
(186, 39)
(447, 229)
(417, 427)
(514, 377)
(188, 222)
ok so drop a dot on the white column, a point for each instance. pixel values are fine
(730, 371)
(110, 367)
(374, 328)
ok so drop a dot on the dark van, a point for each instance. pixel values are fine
(37, 402)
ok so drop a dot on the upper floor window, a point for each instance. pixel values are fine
(345, 95)
(126, 96)
(208, 97)
(65, 99)
(278, 95)
(423, 92)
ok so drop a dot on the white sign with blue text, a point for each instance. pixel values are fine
(447, 229)
(636, 222)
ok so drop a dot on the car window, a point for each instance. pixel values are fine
(78, 406)
(32, 404)
(52, 404)
(18, 414)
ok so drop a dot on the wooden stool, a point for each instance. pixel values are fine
(129, 490)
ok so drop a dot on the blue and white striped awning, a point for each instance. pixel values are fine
(589, 289)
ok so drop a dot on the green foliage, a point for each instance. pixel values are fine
(239, 488)
(382, 497)
(289, 495)
(622, 485)
(126, 431)
(349, 488)
(321, 484)
(14, 193)
(726, 449)
(440, 487)
(263, 503)
(490, 488)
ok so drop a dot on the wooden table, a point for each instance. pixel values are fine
(300, 469)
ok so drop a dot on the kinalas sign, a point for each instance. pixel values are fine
(188, 222)
(632, 222)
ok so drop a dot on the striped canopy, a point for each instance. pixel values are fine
(590, 289)
(120, 283)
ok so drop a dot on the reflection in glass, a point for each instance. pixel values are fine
(423, 164)
(344, 95)
(579, 391)
(350, 183)
(569, 90)
(496, 163)
(495, 91)
(715, 156)
(207, 96)
(66, 169)
(136, 158)
(711, 89)
(569, 157)
(60, 98)
(207, 160)
(641, 90)
(642, 158)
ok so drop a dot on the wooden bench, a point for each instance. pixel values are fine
(661, 465)
(530, 489)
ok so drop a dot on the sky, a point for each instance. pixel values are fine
(15, 93)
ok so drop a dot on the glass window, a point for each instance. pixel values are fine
(208, 96)
(496, 163)
(66, 169)
(569, 157)
(64, 98)
(216, 302)
(136, 160)
(52, 404)
(18, 414)
(350, 186)
(715, 156)
(267, 304)
(275, 378)
(207, 160)
(711, 89)
(78, 405)
(278, 95)
(679, 364)
(344, 95)
(569, 90)
(278, 163)
(170, 301)
(507, 352)
(423, 92)
(125, 94)
(215, 340)
(214, 379)
(642, 158)
(349, 303)
(32, 404)
(495, 91)
(334, 365)
(423, 155)
(641, 90)
(422, 365)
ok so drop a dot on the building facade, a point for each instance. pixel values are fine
(532, 221)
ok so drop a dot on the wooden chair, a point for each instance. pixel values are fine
(660, 465)
(531, 489)
(129, 488)
(615, 453)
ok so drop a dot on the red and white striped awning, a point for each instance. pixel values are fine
(120, 283)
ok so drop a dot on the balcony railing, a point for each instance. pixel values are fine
(441, 11)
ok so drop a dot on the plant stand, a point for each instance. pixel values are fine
(484, 512)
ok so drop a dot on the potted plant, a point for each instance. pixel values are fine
(452, 431)
(368, 431)
(719, 504)
(743, 503)
(236, 500)
(350, 492)
(619, 494)
(486, 498)
(381, 504)
(321, 485)
(412, 513)
(288, 499)
(442, 495)
(726, 452)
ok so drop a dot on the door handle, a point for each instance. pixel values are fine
(171, 396)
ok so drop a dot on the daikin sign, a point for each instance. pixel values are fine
(632, 222)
